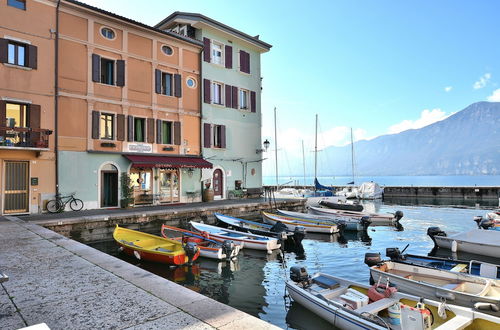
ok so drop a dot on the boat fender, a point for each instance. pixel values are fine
(445, 295)
(442, 309)
(486, 306)
(454, 246)
(137, 255)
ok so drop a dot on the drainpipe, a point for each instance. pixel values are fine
(201, 114)
(56, 98)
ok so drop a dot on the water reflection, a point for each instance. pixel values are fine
(299, 317)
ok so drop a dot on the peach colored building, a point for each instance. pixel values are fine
(27, 143)
(129, 101)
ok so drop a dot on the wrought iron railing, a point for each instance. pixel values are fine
(24, 137)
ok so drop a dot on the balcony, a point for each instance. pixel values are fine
(24, 138)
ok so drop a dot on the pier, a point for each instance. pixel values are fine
(56, 280)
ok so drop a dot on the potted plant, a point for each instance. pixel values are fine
(127, 191)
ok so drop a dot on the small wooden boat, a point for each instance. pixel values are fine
(246, 240)
(208, 248)
(280, 232)
(291, 223)
(155, 248)
(477, 241)
(351, 305)
(472, 267)
(348, 223)
(457, 288)
(376, 218)
(342, 206)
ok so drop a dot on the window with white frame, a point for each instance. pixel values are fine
(217, 53)
(217, 90)
(243, 99)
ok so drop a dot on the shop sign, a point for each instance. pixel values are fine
(140, 147)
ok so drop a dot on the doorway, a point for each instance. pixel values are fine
(218, 181)
(16, 187)
(109, 186)
(169, 186)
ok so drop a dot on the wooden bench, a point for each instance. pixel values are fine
(253, 192)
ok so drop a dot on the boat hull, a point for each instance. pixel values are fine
(376, 219)
(348, 222)
(155, 257)
(292, 223)
(467, 246)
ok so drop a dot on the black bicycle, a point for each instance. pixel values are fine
(59, 204)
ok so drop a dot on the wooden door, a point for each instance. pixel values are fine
(16, 187)
(218, 182)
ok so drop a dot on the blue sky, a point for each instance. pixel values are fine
(376, 66)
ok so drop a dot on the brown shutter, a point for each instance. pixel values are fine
(223, 136)
(34, 121)
(3, 113)
(206, 91)
(96, 68)
(32, 56)
(229, 57)
(242, 61)
(177, 133)
(157, 81)
(120, 73)
(228, 96)
(177, 85)
(120, 127)
(235, 97)
(151, 130)
(247, 63)
(206, 49)
(130, 128)
(159, 131)
(207, 134)
(4, 46)
(95, 124)
(253, 103)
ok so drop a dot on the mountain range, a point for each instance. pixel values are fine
(465, 143)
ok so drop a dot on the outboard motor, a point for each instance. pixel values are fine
(191, 249)
(299, 274)
(227, 248)
(341, 226)
(278, 227)
(372, 259)
(393, 253)
(486, 224)
(365, 222)
(298, 234)
(398, 215)
(478, 219)
(435, 231)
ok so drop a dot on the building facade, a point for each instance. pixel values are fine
(27, 143)
(128, 103)
(231, 106)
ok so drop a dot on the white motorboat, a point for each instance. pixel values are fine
(370, 190)
(292, 223)
(377, 219)
(346, 305)
(477, 241)
(349, 223)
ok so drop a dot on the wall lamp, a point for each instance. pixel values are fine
(266, 146)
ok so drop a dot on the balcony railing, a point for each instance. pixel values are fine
(24, 137)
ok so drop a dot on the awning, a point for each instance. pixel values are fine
(167, 162)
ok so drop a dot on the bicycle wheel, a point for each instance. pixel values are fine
(54, 205)
(76, 204)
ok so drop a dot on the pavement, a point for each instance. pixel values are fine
(69, 285)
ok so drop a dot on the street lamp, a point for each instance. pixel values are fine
(266, 146)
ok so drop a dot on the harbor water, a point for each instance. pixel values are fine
(255, 283)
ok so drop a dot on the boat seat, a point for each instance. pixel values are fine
(452, 286)
(459, 268)
(458, 322)
(377, 306)
(325, 282)
(163, 249)
(329, 294)
(129, 243)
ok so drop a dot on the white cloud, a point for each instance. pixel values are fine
(447, 89)
(427, 117)
(482, 81)
(495, 97)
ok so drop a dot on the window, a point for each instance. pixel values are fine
(21, 4)
(166, 83)
(217, 53)
(16, 115)
(107, 71)
(16, 54)
(243, 99)
(218, 136)
(167, 50)
(107, 33)
(166, 132)
(191, 82)
(139, 129)
(107, 126)
(216, 93)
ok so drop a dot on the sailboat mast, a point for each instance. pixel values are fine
(304, 162)
(316, 150)
(276, 149)
(352, 157)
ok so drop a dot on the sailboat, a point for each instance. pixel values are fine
(350, 191)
